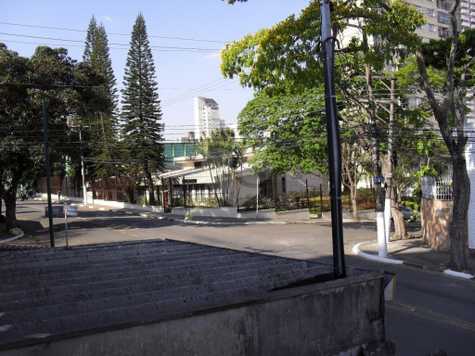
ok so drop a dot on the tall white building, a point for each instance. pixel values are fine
(207, 118)
(436, 16)
(467, 14)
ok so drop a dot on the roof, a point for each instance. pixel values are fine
(181, 172)
(50, 294)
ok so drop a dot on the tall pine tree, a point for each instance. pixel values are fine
(141, 113)
(90, 40)
(96, 54)
(102, 128)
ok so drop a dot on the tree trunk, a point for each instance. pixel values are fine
(400, 231)
(354, 204)
(10, 209)
(458, 230)
(150, 187)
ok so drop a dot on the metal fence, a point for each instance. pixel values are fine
(440, 188)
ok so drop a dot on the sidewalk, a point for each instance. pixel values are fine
(416, 253)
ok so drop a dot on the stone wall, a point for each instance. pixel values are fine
(436, 216)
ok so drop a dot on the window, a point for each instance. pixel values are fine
(444, 18)
(284, 188)
(426, 11)
(444, 4)
(430, 28)
(443, 32)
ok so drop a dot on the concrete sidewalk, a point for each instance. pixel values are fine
(416, 253)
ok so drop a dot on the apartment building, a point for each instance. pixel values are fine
(207, 118)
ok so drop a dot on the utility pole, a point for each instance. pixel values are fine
(334, 147)
(48, 172)
(389, 175)
(83, 176)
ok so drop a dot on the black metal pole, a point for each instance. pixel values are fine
(333, 134)
(48, 172)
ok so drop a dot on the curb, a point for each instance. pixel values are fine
(221, 223)
(10, 239)
(463, 275)
(357, 251)
(369, 256)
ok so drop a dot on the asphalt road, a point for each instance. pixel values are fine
(430, 311)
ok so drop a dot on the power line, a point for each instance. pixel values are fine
(172, 51)
(111, 43)
(179, 38)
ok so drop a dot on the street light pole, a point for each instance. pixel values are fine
(333, 135)
(48, 172)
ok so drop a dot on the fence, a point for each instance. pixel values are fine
(440, 188)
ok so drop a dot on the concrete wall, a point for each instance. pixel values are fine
(108, 203)
(344, 317)
(436, 216)
(224, 212)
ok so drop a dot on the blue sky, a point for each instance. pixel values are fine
(181, 75)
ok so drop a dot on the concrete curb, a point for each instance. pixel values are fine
(234, 223)
(463, 275)
(356, 250)
(13, 238)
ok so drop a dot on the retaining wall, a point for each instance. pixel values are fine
(343, 317)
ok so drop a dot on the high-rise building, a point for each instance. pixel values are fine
(467, 14)
(207, 118)
(437, 17)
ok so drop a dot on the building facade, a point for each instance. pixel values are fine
(206, 115)
(436, 13)
(467, 14)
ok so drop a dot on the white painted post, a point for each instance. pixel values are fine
(470, 158)
(65, 207)
(257, 195)
(381, 234)
(83, 177)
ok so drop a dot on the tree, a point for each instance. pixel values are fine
(141, 111)
(17, 153)
(102, 128)
(446, 75)
(287, 131)
(223, 155)
(48, 76)
(287, 57)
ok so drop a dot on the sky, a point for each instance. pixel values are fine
(182, 73)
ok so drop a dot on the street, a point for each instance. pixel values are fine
(430, 311)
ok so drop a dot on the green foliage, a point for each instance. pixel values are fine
(223, 155)
(141, 111)
(101, 128)
(287, 131)
(287, 56)
(222, 149)
(25, 84)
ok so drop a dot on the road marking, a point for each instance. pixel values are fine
(432, 316)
